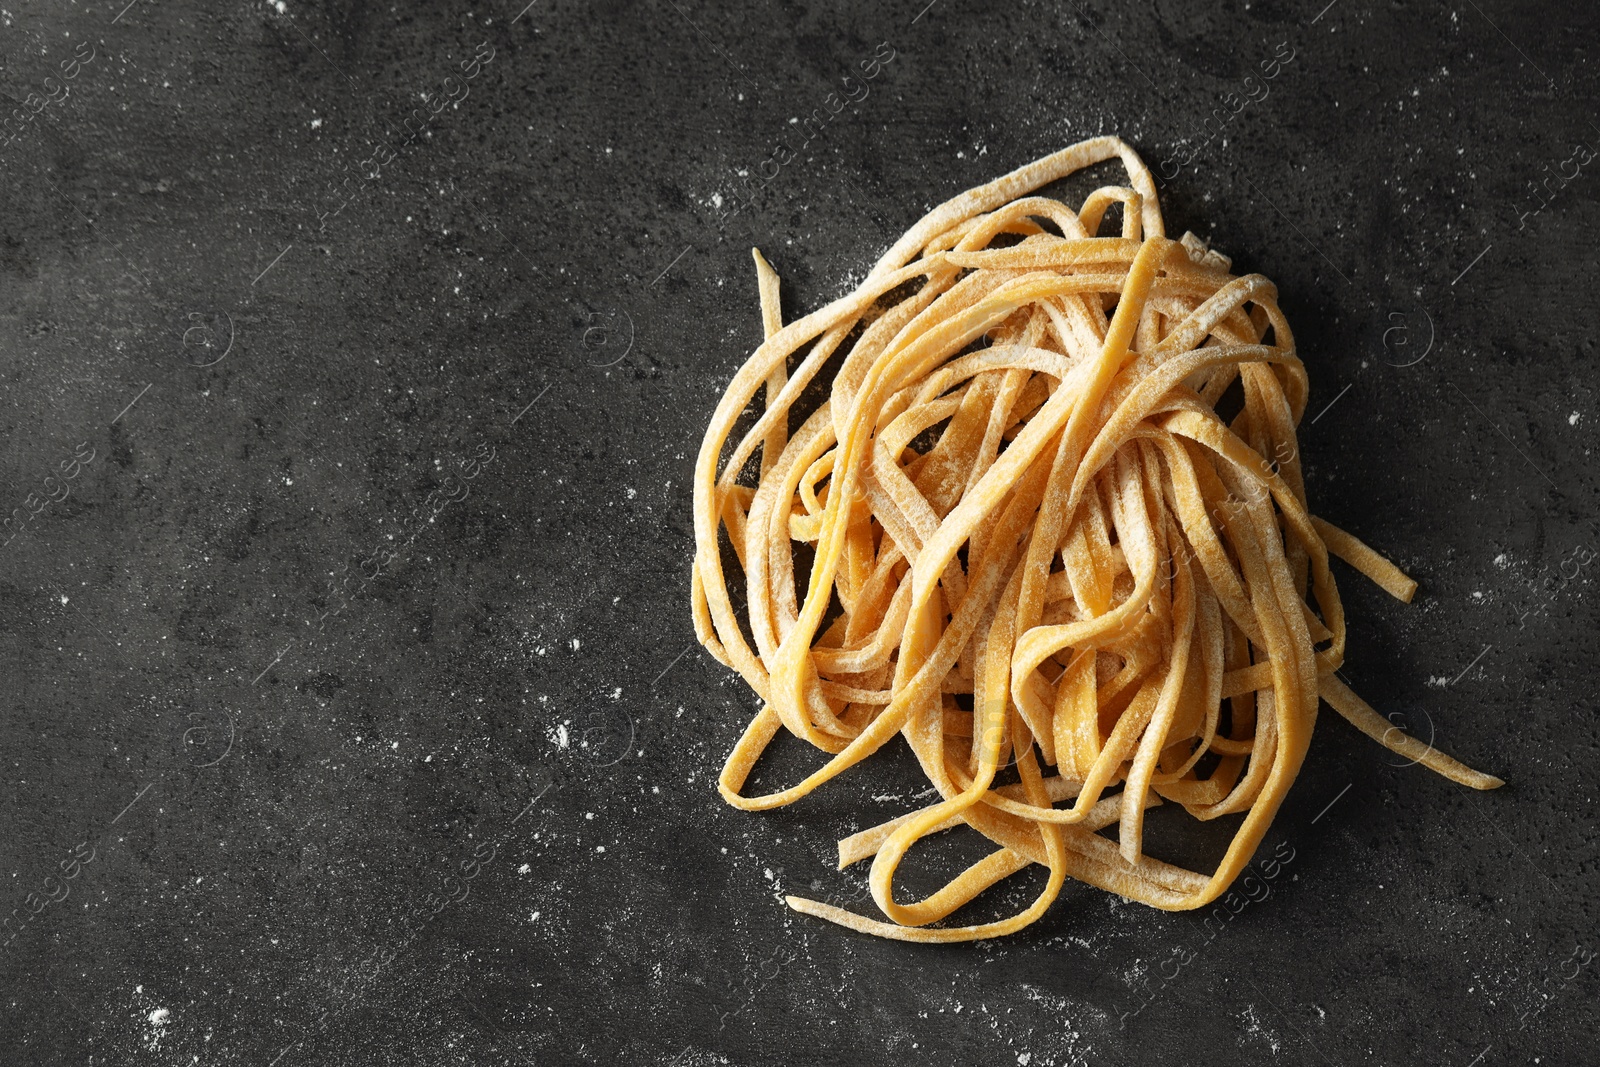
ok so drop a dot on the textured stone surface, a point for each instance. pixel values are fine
(371, 690)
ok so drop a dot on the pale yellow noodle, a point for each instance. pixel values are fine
(1019, 488)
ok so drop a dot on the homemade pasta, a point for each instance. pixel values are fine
(1035, 543)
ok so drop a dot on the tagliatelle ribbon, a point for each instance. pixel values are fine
(1036, 542)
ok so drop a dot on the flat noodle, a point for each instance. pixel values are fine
(1048, 548)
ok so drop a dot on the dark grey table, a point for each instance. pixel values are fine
(355, 360)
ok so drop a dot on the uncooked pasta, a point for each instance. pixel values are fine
(1033, 546)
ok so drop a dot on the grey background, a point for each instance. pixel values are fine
(462, 811)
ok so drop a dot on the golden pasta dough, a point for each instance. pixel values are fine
(1034, 542)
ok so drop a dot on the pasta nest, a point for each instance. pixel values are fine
(1035, 543)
